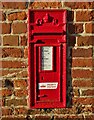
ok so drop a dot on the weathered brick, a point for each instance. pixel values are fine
(25, 53)
(8, 72)
(45, 5)
(82, 62)
(20, 93)
(5, 92)
(89, 117)
(83, 101)
(7, 111)
(82, 52)
(2, 16)
(10, 40)
(19, 28)
(17, 16)
(20, 83)
(89, 27)
(88, 92)
(13, 64)
(83, 83)
(0, 40)
(82, 73)
(75, 28)
(15, 102)
(22, 74)
(12, 52)
(23, 41)
(14, 5)
(1, 102)
(14, 73)
(69, 117)
(14, 118)
(79, 5)
(85, 40)
(20, 110)
(6, 28)
(43, 118)
(85, 16)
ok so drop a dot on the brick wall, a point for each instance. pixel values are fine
(14, 62)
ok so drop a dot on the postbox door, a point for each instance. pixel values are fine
(48, 73)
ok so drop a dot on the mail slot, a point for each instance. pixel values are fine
(47, 58)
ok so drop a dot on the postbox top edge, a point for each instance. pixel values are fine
(59, 10)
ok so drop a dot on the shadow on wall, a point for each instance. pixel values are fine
(71, 40)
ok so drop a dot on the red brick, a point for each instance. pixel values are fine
(25, 53)
(16, 102)
(85, 40)
(13, 5)
(1, 102)
(7, 111)
(14, 118)
(79, 5)
(88, 92)
(22, 74)
(23, 41)
(45, 5)
(89, 117)
(89, 27)
(42, 118)
(69, 117)
(19, 28)
(20, 93)
(82, 62)
(83, 101)
(10, 40)
(82, 52)
(20, 83)
(14, 73)
(75, 28)
(85, 16)
(13, 64)
(20, 110)
(6, 28)
(82, 73)
(8, 72)
(83, 83)
(5, 92)
(17, 16)
(12, 52)
(2, 16)
(0, 40)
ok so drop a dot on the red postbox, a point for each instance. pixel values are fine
(47, 58)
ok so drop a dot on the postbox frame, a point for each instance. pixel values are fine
(32, 90)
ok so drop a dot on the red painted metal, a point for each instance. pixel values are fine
(47, 31)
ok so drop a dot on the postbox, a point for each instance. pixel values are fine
(47, 58)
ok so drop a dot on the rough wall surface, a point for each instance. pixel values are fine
(14, 62)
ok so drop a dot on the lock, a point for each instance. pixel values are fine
(47, 58)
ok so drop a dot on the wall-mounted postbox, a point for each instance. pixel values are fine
(47, 58)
